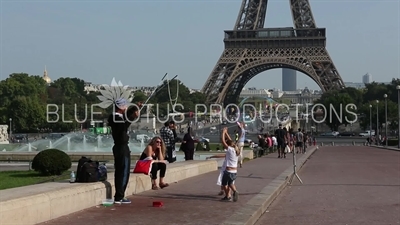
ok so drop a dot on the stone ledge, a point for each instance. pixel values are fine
(75, 156)
(43, 202)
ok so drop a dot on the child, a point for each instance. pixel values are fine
(223, 167)
(230, 170)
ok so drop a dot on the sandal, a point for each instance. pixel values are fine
(164, 185)
(154, 187)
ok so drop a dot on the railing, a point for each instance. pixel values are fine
(272, 33)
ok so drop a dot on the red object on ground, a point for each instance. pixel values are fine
(158, 204)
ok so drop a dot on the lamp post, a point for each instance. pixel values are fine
(377, 122)
(10, 129)
(398, 122)
(370, 124)
(386, 129)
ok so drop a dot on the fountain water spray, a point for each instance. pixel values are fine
(50, 144)
(99, 141)
(84, 142)
(142, 143)
(68, 143)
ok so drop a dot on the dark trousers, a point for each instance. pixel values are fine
(155, 167)
(281, 148)
(189, 154)
(170, 157)
(122, 165)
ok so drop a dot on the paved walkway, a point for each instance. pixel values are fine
(192, 201)
(346, 185)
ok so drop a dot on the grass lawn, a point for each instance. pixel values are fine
(12, 179)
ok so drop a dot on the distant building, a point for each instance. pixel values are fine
(354, 85)
(147, 90)
(301, 96)
(367, 78)
(46, 76)
(253, 92)
(289, 80)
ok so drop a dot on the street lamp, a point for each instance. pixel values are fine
(370, 124)
(10, 129)
(398, 122)
(377, 121)
(386, 129)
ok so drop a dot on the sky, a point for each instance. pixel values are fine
(137, 42)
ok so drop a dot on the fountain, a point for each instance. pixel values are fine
(78, 142)
(142, 143)
(99, 141)
(84, 142)
(69, 144)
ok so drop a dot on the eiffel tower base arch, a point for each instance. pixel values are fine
(248, 63)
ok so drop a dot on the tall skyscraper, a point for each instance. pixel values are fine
(367, 78)
(289, 80)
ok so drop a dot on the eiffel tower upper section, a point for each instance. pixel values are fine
(251, 49)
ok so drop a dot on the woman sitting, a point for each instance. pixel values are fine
(155, 151)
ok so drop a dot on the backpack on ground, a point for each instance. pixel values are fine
(102, 172)
(87, 171)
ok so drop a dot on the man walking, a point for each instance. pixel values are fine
(299, 141)
(119, 122)
(281, 139)
(168, 137)
(305, 141)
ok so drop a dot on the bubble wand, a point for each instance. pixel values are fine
(158, 88)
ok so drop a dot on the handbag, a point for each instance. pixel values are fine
(143, 166)
(287, 149)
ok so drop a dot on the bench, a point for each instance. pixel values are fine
(43, 202)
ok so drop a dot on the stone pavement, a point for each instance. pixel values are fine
(191, 201)
(346, 185)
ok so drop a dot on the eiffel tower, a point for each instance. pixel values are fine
(251, 49)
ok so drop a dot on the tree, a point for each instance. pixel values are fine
(355, 94)
(338, 109)
(23, 98)
(139, 96)
(366, 111)
(176, 90)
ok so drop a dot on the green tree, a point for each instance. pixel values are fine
(366, 111)
(355, 94)
(337, 108)
(23, 98)
(139, 96)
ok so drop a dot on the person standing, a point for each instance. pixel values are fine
(188, 143)
(119, 122)
(168, 137)
(281, 139)
(305, 135)
(299, 141)
(240, 142)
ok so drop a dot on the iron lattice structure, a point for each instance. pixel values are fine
(251, 49)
